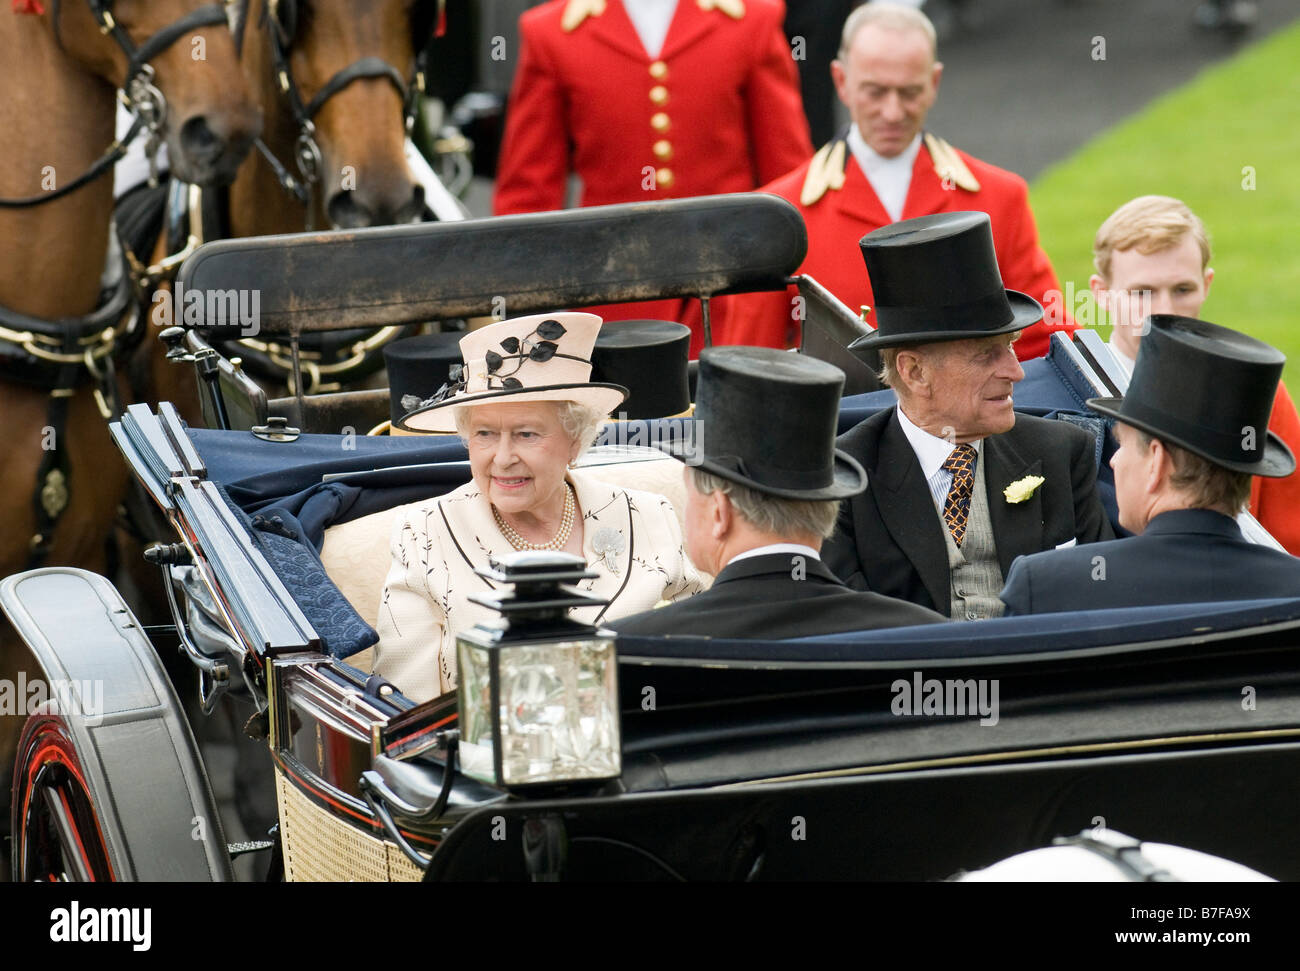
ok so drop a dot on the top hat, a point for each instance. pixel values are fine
(417, 367)
(543, 357)
(935, 278)
(649, 358)
(768, 421)
(1207, 389)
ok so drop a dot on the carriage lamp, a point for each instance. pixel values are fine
(538, 690)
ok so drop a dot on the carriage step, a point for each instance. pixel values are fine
(252, 846)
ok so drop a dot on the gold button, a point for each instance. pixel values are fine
(664, 177)
(663, 149)
(659, 94)
(659, 70)
(659, 121)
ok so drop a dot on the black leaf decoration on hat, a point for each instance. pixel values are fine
(551, 330)
(524, 349)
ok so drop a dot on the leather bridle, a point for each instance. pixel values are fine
(146, 102)
(307, 153)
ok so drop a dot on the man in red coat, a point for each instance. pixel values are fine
(1152, 256)
(647, 100)
(884, 168)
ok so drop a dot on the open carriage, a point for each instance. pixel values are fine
(809, 759)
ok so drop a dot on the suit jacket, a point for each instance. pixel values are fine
(760, 597)
(439, 543)
(841, 217)
(1185, 556)
(581, 102)
(890, 538)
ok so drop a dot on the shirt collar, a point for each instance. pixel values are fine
(930, 450)
(792, 549)
(872, 162)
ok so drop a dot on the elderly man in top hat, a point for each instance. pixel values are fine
(761, 500)
(1192, 430)
(960, 484)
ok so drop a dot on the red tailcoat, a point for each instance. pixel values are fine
(718, 111)
(843, 216)
(1276, 502)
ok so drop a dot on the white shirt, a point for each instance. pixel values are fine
(790, 549)
(651, 19)
(890, 177)
(1125, 361)
(931, 452)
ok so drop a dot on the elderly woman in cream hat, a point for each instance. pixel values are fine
(525, 406)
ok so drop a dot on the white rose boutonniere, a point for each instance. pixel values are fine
(1022, 489)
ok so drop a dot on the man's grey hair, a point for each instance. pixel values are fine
(895, 16)
(782, 517)
(582, 423)
(1206, 484)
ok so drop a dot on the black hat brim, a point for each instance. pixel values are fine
(1025, 312)
(1276, 462)
(848, 477)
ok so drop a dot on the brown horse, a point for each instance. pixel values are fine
(63, 61)
(338, 82)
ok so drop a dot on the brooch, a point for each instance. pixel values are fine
(607, 544)
(1022, 489)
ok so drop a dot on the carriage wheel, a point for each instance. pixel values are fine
(56, 831)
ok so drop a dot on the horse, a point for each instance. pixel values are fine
(339, 84)
(61, 479)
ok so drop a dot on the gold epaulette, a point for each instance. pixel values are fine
(735, 9)
(576, 11)
(948, 164)
(825, 172)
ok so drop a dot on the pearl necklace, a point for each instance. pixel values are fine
(558, 542)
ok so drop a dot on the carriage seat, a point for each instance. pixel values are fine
(357, 557)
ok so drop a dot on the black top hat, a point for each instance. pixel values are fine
(936, 278)
(649, 358)
(417, 367)
(1209, 390)
(768, 421)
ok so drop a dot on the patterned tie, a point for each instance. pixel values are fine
(956, 508)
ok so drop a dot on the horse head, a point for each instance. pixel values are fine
(348, 73)
(177, 63)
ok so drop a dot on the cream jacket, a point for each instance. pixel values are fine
(437, 545)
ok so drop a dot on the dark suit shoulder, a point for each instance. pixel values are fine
(1030, 428)
(864, 437)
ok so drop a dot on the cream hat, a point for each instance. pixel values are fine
(543, 357)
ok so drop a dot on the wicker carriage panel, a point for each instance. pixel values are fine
(320, 847)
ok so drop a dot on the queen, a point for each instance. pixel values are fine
(526, 408)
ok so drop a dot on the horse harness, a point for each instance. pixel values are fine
(285, 18)
(62, 355)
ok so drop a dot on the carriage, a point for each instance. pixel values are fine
(904, 754)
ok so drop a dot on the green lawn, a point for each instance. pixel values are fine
(1194, 144)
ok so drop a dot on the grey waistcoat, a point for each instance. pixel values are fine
(975, 576)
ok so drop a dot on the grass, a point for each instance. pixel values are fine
(1194, 144)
